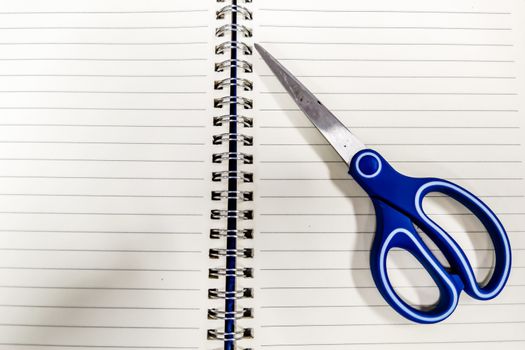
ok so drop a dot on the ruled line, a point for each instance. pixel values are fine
(365, 196)
(397, 343)
(99, 346)
(106, 27)
(402, 93)
(397, 127)
(98, 213)
(116, 43)
(107, 125)
(341, 287)
(492, 304)
(96, 269)
(312, 59)
(108, 75)
(373, 214)
(394, 144)
(104, 142)
(364, 232)
(386, 324)
(100, 288)
(103, 59)
(382, 44)
(102, 251)
(299, 251)
(97, 12)
(393, 110)
(400, 76)
(106, 160)
(101, 108)
(99, 307)
(368, 268)
(495, 161)
(8, 230)
(98, 195)
(102, 177)
(351, 179)
(382, 27)
(96, 326)
(384, 11)
(102, 92)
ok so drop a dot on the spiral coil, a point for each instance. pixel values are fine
(234, 138)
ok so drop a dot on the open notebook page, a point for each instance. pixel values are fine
(104, 173)
(437, 88)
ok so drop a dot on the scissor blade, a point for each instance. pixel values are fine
(341, 139)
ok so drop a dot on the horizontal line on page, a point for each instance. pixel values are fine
(360, 232)
(107, 75)
(104, 28)
(97, 12)
(393, 144)
(103, 59)
(103, 177)
(396, 161)
(391, 60)
(98, 195)
(94, 326)
(381, 44)
(102, 92)
(393, 110)
(386, 324)
(100, 213)
(394, 127)
(385, 11)
(365, 196)
(403, 93)
(351, 179)
(99, 251)
(107, 160)
(103, 109)
(346, 251)
(375, 305)
(108, 125)
(7, 230)
(116, 43)
(101, 307)
(318, 345)
(367, 268)
(146, 347)
(94, 269)
(371, 214)
(341, 287)
(105, 142)
(377, 27)
(102, 288)
(400, 76)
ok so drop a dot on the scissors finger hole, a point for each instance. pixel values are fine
(410, 281)
(465, 228)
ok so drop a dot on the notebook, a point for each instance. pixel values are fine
(160, 190)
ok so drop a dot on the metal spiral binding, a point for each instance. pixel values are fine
(232, 135)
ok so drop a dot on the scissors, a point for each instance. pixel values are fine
(397, 201)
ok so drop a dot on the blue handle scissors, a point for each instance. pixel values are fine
(397, 201)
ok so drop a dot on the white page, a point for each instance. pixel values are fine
(105, 173)
(437, 88)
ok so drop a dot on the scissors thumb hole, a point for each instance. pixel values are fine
(411, 281)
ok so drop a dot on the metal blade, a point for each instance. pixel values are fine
(341, 139)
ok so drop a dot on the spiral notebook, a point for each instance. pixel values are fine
(160, 190)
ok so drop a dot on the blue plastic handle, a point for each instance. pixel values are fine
(398, 201)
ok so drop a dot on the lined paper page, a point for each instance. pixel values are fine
(437, 88)
(104, 173)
